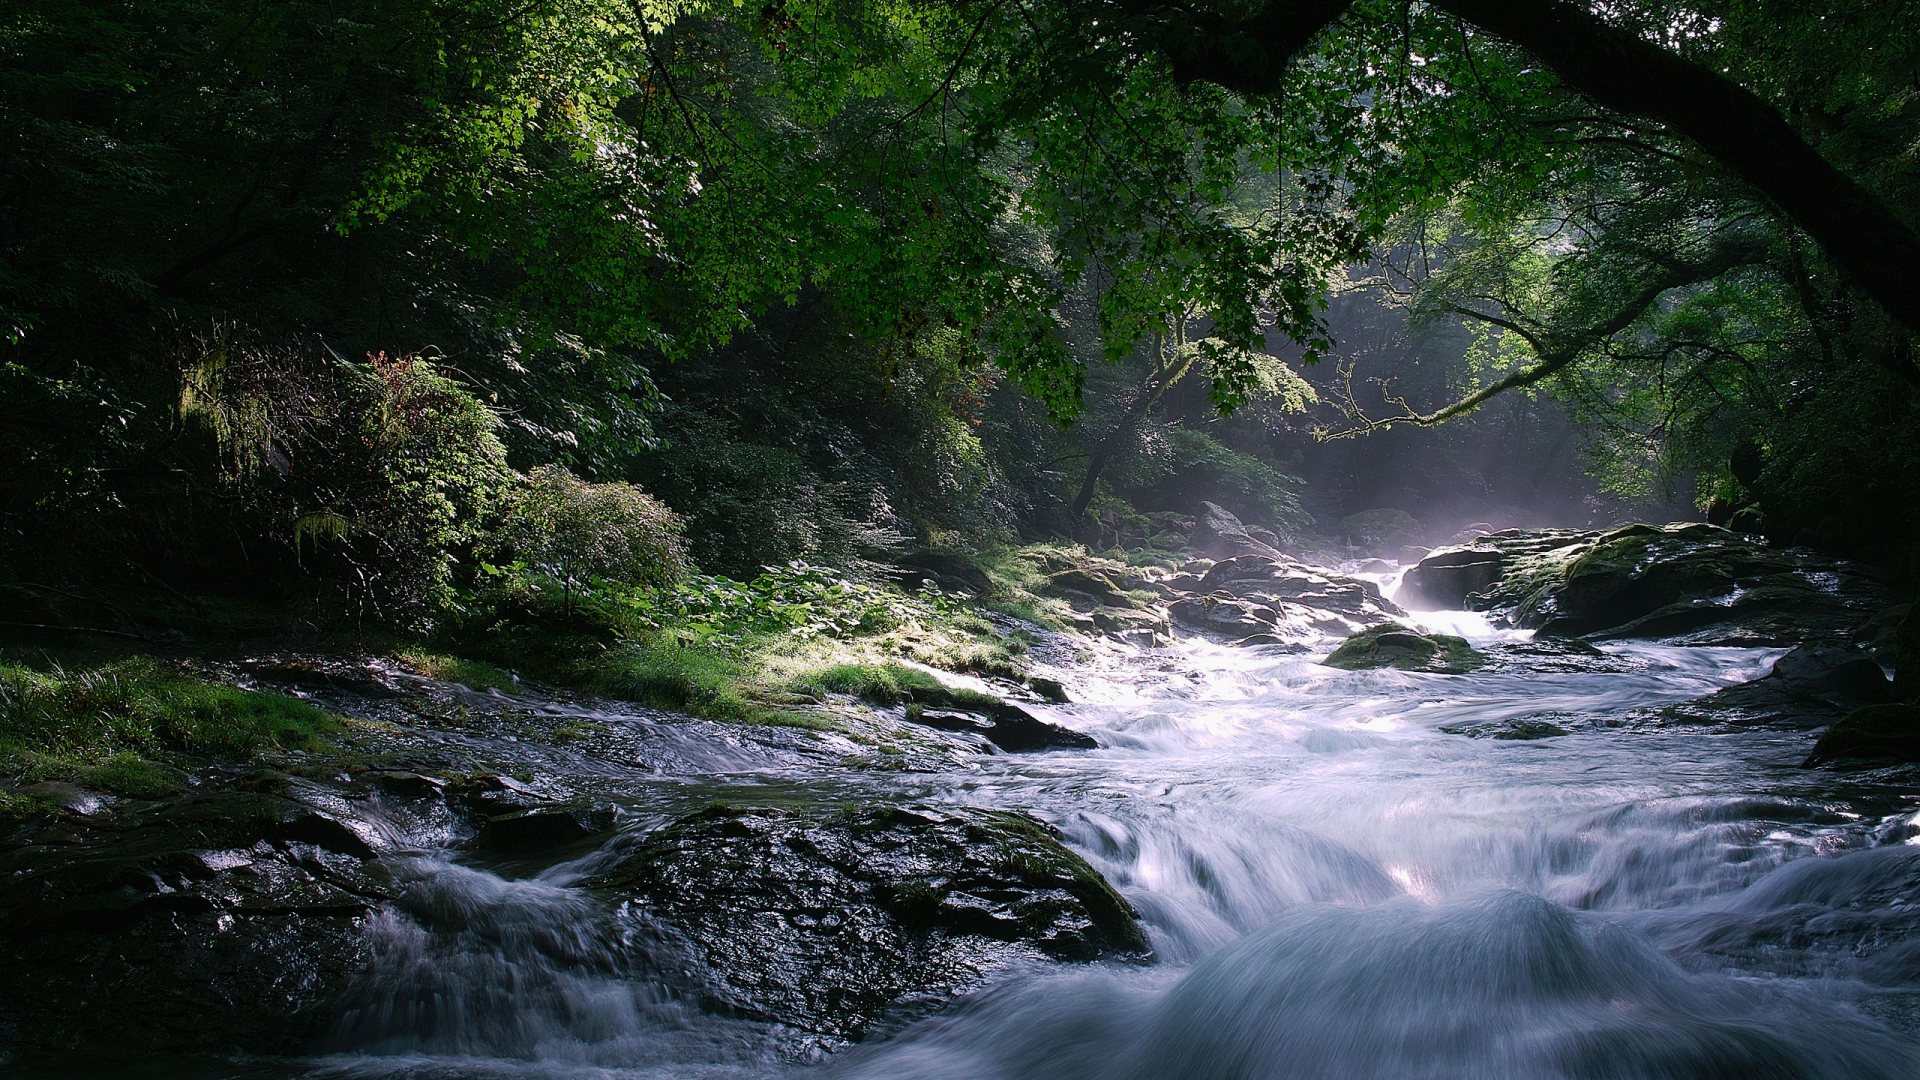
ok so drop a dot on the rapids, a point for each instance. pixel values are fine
(1334, 887)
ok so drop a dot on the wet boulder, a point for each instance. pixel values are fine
(1219, 534)
(1521, 729)
(1222, 614)
(544, 828)
(827, 920)
(1011, 729)
(1876, 735)
(1406, 649)
(1308, 598)
(1445, 579)
(1693, 582)
(1808, 687)
(225, 921)
(1136, 626)
(1000, 722)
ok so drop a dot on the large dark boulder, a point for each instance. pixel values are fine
(1396, 646)
(1000, 722)
(222, 922)
(1693, 582)
(1876, 735)
(827, 920)
(1219, 534)
(1808, 687)
(1445, 579)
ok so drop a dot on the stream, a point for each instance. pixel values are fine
(1333, 887)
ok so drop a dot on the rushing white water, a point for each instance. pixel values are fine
(1334, 887)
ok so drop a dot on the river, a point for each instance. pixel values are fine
(1333, 885)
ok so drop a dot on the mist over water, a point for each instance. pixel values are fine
(1334, 887)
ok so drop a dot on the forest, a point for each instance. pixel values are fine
(1015, 538)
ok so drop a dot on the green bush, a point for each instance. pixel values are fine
(377, 477)
(575, 531)
(797, 599)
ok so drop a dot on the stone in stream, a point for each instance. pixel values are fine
(1876, 735)
(827, 920)
(1219, 534)
(1396, 646)
(1694, 582)
(1222, 614)
(1443, 580)
(1808, 687)
(1285, 596)
(219, 922)
(544, 828)
(1002, 723)
(1517, 730)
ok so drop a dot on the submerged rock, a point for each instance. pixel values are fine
(1396, 646)
(827, 921)
(1520, 730)
(1876, 735)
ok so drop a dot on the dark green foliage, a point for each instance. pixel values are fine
(832, 240)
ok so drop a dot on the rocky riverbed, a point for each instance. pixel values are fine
(1611, 727)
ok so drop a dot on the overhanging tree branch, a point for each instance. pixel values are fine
(1865, 238)
(1558, 348)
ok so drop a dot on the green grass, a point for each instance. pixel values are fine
(115, 726)
(473, 674)
(703, 682)
(885, 684)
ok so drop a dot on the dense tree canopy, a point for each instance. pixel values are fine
(1693, 220)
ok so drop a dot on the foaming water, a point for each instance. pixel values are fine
(1334, 886)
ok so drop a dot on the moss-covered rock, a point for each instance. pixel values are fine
(825, 920)
(1691, 581)
(1396, 646)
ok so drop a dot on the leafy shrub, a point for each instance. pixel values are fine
(797, 599)
(575, 531)
(424, 473)
(376, 477)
